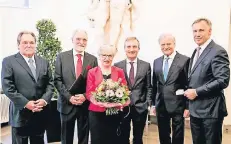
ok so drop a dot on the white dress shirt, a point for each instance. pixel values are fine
(129, 66)
(204, 46)
(76, 58)
(170, 60)
(27, 60)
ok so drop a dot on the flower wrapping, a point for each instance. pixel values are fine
(111, 95)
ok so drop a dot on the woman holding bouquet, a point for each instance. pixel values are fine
(103, 126)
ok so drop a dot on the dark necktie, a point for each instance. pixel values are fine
(166, 68)
(79, 66)
(32, 67)
(131, 73)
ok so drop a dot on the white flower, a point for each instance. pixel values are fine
(110, 83)
(119, 93)
(110, 93)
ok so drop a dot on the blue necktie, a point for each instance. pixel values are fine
(166, 68)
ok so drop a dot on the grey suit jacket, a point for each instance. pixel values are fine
(20, 86)
(65, 77)
(209, 76)
(164, 92)
(142, 89)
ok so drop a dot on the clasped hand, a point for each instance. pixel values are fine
(36, 106)
(77, 99)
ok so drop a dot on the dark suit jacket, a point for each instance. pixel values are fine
(209, 76)
(20, 86)
(164, 92)
(142, 89)
(65, 77)
(95, 77)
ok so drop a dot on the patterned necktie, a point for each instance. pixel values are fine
(166, 68)
(197, 55)
(131, 73)
(79, 66)
(32, 67)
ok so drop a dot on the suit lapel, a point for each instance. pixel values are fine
(173, 66)
(23, 63)
(114, 74)
(38, 63)
(191, 62)
(124, 67)
(139, 70)
(202, 56)
(99, 77)
(159, 67)
(85, 62)
(71, 62)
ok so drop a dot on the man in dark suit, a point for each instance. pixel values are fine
(170, 75)
(209, 75)
(69, 65)
(138, 76)
(27, 81)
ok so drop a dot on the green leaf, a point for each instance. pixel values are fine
(48, 45)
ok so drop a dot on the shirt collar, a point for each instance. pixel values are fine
(205, 44)
(75, 53)
(27, 58)
(171, 56)
(128, 61)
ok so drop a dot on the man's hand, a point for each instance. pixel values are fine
(81, 98)
(154, 110)
(186, 113)
(41, 102)
(30, 105)
(190, 94)
(77, 99)
(74, 100)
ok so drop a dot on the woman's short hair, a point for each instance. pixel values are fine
(107, 49)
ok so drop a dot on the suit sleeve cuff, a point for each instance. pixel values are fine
(44, 101)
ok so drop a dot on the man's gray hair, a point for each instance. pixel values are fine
(78, 30)
(207, 21)
(166, 35)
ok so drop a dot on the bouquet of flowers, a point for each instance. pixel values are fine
(111, 95)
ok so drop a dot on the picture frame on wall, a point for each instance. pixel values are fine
(15, 3)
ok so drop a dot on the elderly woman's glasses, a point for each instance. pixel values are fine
(104, 56)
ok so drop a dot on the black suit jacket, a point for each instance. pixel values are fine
(142, 89)
(209, 76)
(65, 77)
(164, 92)
(20, 86)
